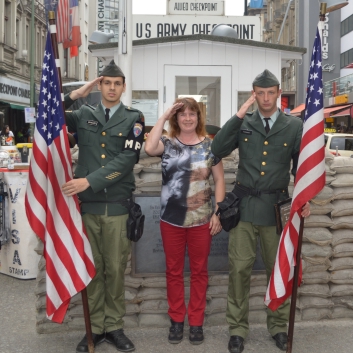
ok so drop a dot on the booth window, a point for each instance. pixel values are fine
(147, 103)
(243, 96)
(204, 89)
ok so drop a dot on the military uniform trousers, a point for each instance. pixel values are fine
(106, 292)
(242, 255)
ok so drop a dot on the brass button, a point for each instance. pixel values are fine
(103, 145)
(246, 140)
(120, 134)
(263, 163)
(265, 153)
(103, 156)
(103, 133)
(265, 143)
(262, 173)
(285, 145)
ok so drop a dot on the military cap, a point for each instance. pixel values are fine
(265, 79)
(112, 70)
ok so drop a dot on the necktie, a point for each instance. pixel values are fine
(267, 126)
(107, 115)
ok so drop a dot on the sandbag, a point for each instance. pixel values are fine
(342, 222)
(316, 314)
(343, 250)
(342, 276)
(151, 294)
(309, 267)
(315, 290)
(341, 263)
(318, 236)
(340, 290)
(342, 208)
(216, 305)
(154, 307)
(344, 193)
(343, 180)
(342, 165)
(305, 302)
(324, 196)
(316, 277)
(340, 312)
(153, 320)
(313, 250)
(320, 209)
(341, 236)
(317, 221)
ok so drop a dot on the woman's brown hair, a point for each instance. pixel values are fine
(174, 129)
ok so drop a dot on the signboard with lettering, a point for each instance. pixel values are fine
(17, 257)
(200, 7)
(14, 91)
(155, 26)
(148, 257)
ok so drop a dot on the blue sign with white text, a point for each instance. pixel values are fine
(256, 4)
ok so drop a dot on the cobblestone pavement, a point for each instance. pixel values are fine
(18, 333)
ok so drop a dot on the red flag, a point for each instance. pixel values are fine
(54, 217)
(73, 51)
(62, 19)
(74, 38)
(310, 180)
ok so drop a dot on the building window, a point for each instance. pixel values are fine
(347, 25)
(346, 58)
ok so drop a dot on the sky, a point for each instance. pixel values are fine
(158, 7)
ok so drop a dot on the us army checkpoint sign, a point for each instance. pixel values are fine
(155, 26)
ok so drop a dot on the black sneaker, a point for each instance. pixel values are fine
(196, 335)
(176, 332)
(83, 345)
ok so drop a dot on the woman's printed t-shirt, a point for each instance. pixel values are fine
(186, 191)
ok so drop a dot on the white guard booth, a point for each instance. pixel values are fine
(217, 71)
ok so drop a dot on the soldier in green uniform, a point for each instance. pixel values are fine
(109, 139)
(267, 140)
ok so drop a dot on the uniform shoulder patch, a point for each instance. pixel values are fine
(138, 128)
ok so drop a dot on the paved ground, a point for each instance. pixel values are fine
(18, 334)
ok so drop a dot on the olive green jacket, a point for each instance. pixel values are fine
(264, 160)
(107, 155)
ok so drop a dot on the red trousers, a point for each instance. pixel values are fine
(198, 240)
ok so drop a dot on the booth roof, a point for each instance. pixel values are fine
(206, 37)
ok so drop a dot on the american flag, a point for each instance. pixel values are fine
(310, 180)
(62, 19)
(54, 217)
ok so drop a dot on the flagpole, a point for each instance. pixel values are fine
(323, 7)
(54, 41)
(295, 287)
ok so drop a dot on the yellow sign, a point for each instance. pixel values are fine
(341, 99)
(329, 129)
(330, 120)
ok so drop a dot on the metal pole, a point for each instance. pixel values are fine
(295, 288)
(284, 20)
(32, 91)
(245, 7)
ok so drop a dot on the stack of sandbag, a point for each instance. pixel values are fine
(341, 281)
(314, 299)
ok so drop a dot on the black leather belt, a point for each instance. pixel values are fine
(242, 191)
